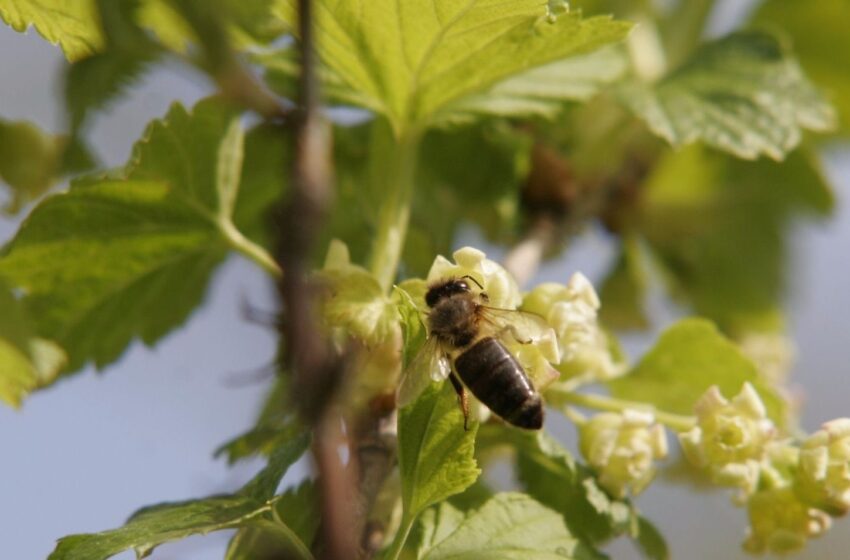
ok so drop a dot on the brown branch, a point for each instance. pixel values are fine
(318, 371)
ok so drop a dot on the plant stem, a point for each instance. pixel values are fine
(248, 248)
(394, 214)
(683, 29)
(677, 422)
(399, 540)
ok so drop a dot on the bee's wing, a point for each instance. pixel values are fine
(521, 325)
(429, 364)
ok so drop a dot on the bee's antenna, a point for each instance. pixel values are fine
(477, 283)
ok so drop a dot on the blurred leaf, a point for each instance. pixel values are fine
(26, 362)
(688, 358)
(744, 94)
(718, 226)
(650, 541)
(541, 91)
(298, 508)
(276, 424)
(97, 79)
(467, 175)
(443, 52)
(112, 260)
(266, 540)
(73, 24)
(623, 290)
(550, 475)
(435, 452)
(354, 300)
(264, 181)
(154, 525)
(30, 161)
(265, 483)
(821, 42)
(509, 526)
(244, 23)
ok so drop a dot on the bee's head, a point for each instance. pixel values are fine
(445, 289)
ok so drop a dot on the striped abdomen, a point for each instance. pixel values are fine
(495, 377)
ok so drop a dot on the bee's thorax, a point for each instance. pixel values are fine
(454, 320)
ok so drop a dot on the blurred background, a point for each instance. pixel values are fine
(84, 454)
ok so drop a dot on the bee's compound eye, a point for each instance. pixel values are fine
(462, 286)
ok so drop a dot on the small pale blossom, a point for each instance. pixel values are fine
(622, 449)
(780, 523)
(824, 470)
(730, 439)
(572, 310)
(499, 285)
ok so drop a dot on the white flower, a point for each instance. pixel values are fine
(824, 473)
(780, 523)
(730, 438)
(500, 286)
(622, 449)
(572, 310)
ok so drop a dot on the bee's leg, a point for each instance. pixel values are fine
(462, 399)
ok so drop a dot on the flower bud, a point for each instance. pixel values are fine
(571, 310)
(622, 449)
(824, 469)
(730, 438)
(780, 523)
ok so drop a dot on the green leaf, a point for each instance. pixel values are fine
(105, 263)
(154, 525)
(113, 260)
(408, 60)
(182, 150)
(73, 24)
(435, 452)
(688, 358)
(550, 475)
(623, 290)
(744, 94)
(650, 541)
(26, 362)
(718, 226)
(30, 161)
(819, 33)
(265, 483)
(509, 526)
(277, 423)
(289, 535)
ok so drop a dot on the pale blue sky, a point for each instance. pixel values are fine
(83, 455)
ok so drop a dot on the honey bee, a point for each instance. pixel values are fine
(465, 345)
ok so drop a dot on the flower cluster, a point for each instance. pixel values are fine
(622, 449)
(572, 310)
(790, 491)
(730, 438)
